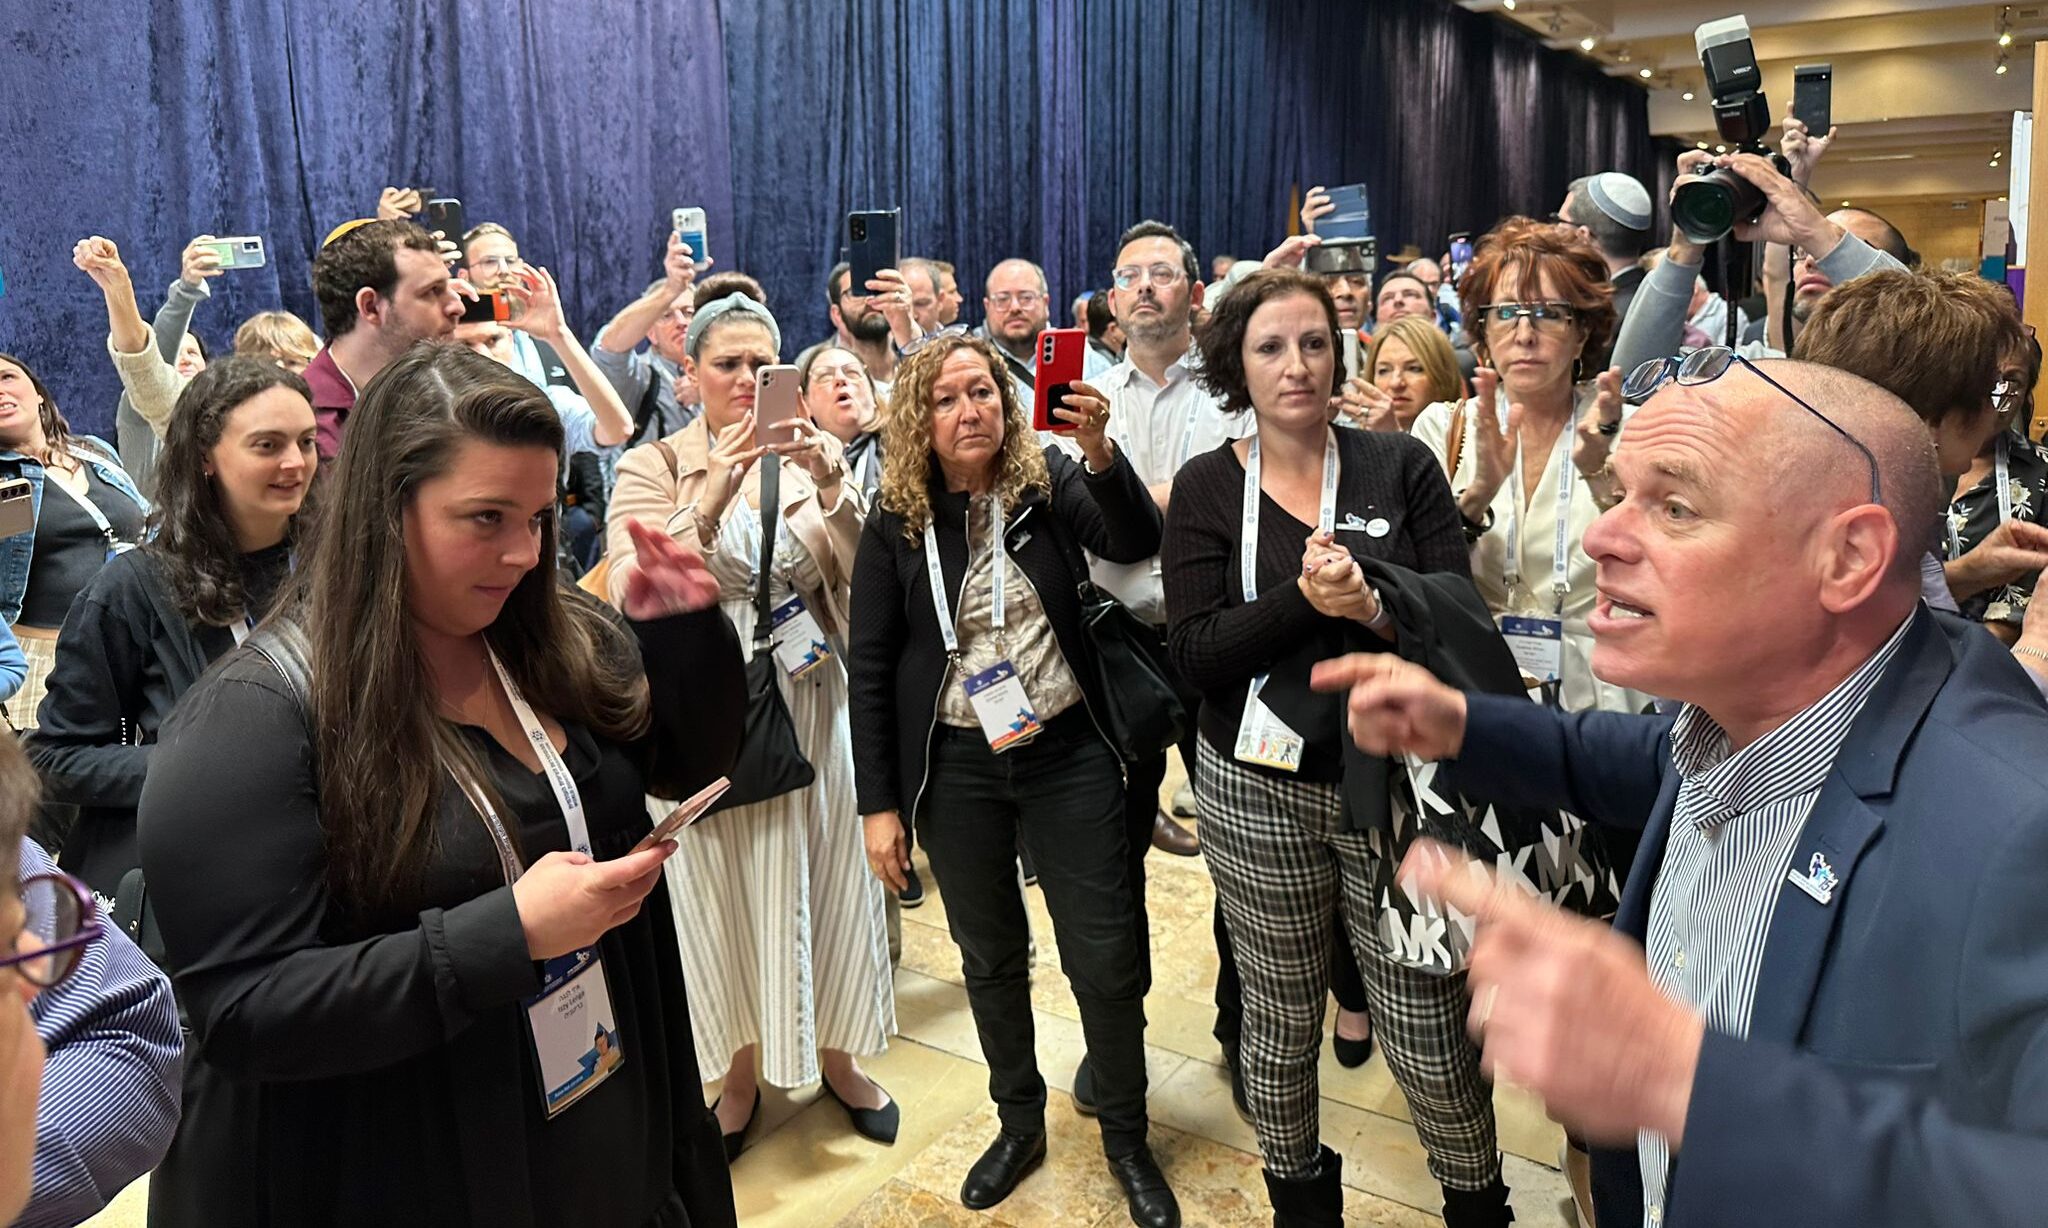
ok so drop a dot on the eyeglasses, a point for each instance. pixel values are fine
(1022, 298)
(64, 919)
(951, 330)
(1546, 317)
(1132, 276)
(1707, 365)
(2006, 393)
(494, 264)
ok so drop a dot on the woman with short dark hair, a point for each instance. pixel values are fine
(1281, 550)
(236, 466)
(394, 843)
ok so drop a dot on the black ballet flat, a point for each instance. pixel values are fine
(876, 1125)
(1351, 1054)
(736, 1142)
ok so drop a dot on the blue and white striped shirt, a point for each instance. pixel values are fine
(111, 1083)
(1737, 819)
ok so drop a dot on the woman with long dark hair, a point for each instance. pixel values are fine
(86, 512)
(393, 843)
(236, 465)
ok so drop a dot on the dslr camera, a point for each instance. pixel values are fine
(1708, 207)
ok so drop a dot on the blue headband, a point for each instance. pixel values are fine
(709, 313)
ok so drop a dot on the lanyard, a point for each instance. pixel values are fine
(99, 518)
(860, 467)
(2001, 478)
(1561, 553)
(999, 564)
(1248, 546)
(566, 794)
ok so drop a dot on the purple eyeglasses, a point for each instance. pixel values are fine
(64, 919)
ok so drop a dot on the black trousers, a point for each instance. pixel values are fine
(1062, 795)
(1141, 801)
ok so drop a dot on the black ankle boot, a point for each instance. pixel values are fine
(1313, 1201)
(1487, 1208)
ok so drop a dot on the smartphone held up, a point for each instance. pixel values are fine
(1062, 357)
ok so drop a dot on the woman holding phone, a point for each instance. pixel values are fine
(781, 924)
(391, 843)
(236, 465)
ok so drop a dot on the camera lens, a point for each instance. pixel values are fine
(860, 228)
(1708, 208)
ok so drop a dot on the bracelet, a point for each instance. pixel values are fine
(1475, 529)
(1380, 620)
(2029, 651)
(707, 530)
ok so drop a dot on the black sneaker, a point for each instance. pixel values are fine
(913, 894)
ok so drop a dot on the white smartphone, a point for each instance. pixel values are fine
(17, 507)
(240, 251)
(689, 223)
(776, 404)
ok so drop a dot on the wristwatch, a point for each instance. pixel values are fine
(1475, 529)
(1380, 620)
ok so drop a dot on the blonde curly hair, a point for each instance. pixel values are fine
(907, 436)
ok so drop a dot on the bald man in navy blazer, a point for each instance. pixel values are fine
(1824, 1001)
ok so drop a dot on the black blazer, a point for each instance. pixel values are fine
(896, 659)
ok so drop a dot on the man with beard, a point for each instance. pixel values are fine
(860, 326)
(1016, 309)
(663, 399)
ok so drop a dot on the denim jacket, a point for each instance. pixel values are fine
(18, 552)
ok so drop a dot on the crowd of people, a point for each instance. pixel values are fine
(1577, 700)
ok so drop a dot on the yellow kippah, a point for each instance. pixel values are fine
(344, 228)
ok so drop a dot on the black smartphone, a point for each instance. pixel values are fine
(444, 213)
(870, 245)
(1812, 95)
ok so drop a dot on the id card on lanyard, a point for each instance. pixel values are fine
(2001, 478)
(1262, 737)
(997, 694)
(571, 1023)
(1535, 638)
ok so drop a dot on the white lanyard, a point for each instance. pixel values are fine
(860, 467)
(2002, 474)
(567, 795)
(1561, 554)
(998, 564)
(1248, 546)
(99, 518)
(2001, 477)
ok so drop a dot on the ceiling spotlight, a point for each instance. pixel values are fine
(1703, 144)
(1845, 204)
(1687, 95)
(2005, 39)
(2000, 70)
(1994, 163)
(1644, 73)
(1588, 43)
(1720, 149)
(1509, 5)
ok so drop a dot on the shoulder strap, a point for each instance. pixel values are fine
(675, 466)
(283, 644)
(650, 403)
(1454, 443)
(771, 514)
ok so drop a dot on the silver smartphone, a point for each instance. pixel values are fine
(17, 507)
(240, 251)
(689, 223)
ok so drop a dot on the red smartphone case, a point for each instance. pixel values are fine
(1062, 353)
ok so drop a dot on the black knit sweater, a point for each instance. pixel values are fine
(1219, 643)
(896, 660)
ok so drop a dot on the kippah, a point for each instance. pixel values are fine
(1621, 197)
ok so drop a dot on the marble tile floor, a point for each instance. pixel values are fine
(805, 1167)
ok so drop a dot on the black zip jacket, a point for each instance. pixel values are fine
(896, 659)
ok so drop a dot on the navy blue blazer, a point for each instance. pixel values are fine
(1896, 1071)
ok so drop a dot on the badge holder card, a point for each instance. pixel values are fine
(800, 644)
(1001, 705)
(1262, 737)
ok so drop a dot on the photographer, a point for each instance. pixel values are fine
(1832, 249)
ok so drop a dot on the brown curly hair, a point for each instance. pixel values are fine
(1221, 337)
(1537, 250)
(907, 435)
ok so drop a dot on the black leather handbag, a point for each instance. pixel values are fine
(770, 763)
(1142, 712)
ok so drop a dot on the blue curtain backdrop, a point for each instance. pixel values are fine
(1001, 127)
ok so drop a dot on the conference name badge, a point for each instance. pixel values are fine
(1537, 644)
(1002, 707)
(800, 645)
(574, 1030)
(1263, 738)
